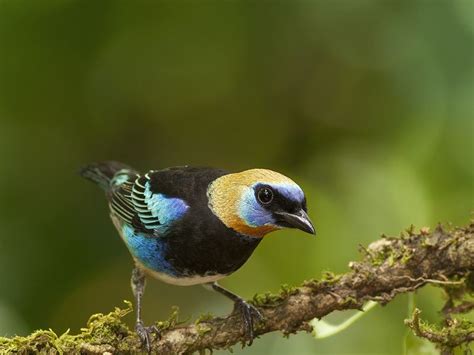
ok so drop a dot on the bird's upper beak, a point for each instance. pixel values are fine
(298, 220)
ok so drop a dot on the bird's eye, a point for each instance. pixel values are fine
(265, 195)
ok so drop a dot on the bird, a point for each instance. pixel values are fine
(195, 225)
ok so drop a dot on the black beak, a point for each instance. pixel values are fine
(298, 220)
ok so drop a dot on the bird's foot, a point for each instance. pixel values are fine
(250, 316)
(145, 334)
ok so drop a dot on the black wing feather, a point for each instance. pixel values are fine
(128, 201)
(120, 202)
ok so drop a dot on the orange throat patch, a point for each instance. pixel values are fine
(241, 227)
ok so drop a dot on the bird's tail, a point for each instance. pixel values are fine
(103, 173)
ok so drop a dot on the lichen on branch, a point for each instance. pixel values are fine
(390, 266)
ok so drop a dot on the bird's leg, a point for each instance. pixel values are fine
(250, 314)
(138, 282)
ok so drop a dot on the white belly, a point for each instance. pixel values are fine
(183, 281)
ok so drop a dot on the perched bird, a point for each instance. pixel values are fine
(188, 226)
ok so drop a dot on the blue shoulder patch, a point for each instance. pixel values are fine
(155, 210)
(149, 251)
(165, 209)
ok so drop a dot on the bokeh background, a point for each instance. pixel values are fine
(367, 104)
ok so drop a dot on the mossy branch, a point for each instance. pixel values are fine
(455, 333)
(390, 266)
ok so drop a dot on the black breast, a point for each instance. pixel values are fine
(199, 243)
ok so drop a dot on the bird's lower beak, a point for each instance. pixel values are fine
(298, 220)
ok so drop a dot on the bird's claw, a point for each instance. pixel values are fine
(145, 334)
(250, 316)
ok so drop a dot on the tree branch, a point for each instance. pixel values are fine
(453, 334)
(390, 266)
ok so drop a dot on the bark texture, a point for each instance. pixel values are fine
(390, 266)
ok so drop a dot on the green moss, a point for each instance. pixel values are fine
(407, 255)
(171, 322)
(101, 329)
(266, 299)
(202, 329)
(349, 301)
(383, 255)
(45, 341)
(312, 283)
(105, 328)
(459, 328)
(201, 326)
(391, 259)
(269, 299)
(287, 290)
(327, 278)
(331, 277)
(389, 254)
(203, 318)
(411, 230)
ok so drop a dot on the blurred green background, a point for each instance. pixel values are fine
(367, 104)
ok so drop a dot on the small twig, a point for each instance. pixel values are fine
(464, 307)
(451, 336)
(442, 282)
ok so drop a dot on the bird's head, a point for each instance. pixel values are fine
(258, 201)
